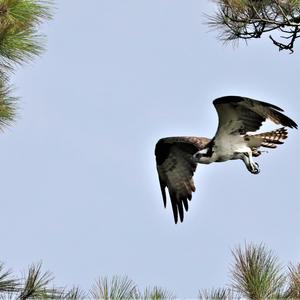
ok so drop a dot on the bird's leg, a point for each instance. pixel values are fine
(252, 166)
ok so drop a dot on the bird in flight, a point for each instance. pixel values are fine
(239, 118)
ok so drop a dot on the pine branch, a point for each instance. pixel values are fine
(74, 294)
(248, 19)
(36, 284)
(256, 272)
(19, 43)
(157, 293)
(118, 288)
(293, 290)
(7, 105)
(217, 294)
(8, 283)
(19, 21)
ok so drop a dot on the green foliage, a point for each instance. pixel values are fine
(19, 38)
(293, 290)
(39, 285)
(74, 294)
(217, 294)
(122, 288)
(256, 272)
(7, 282)
(156, 293)
(248, 19)
(116, 288)
(36, 284)
(20, 41)
(19, 46)
(7, 105)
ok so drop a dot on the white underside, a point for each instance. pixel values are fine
(227, 149)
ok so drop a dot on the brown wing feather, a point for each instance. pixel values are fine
(176, 169)
(239, 115)
(269, 111)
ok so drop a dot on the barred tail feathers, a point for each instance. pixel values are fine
(269, 139)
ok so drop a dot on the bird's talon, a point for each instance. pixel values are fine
(254, 169)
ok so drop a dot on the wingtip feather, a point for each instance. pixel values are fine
(163, 191)
(175, 210)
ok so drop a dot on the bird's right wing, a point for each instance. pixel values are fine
(176, 168)
(240, 115)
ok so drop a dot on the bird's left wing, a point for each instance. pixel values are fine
(176, 168)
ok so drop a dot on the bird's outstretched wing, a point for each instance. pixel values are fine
(176, 169)
(239, 115)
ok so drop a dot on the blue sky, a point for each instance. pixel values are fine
(79, 184)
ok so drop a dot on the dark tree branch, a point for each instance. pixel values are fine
(240, 19)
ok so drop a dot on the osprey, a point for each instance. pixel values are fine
(177, 157)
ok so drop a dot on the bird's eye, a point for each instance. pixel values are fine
(197, 155)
